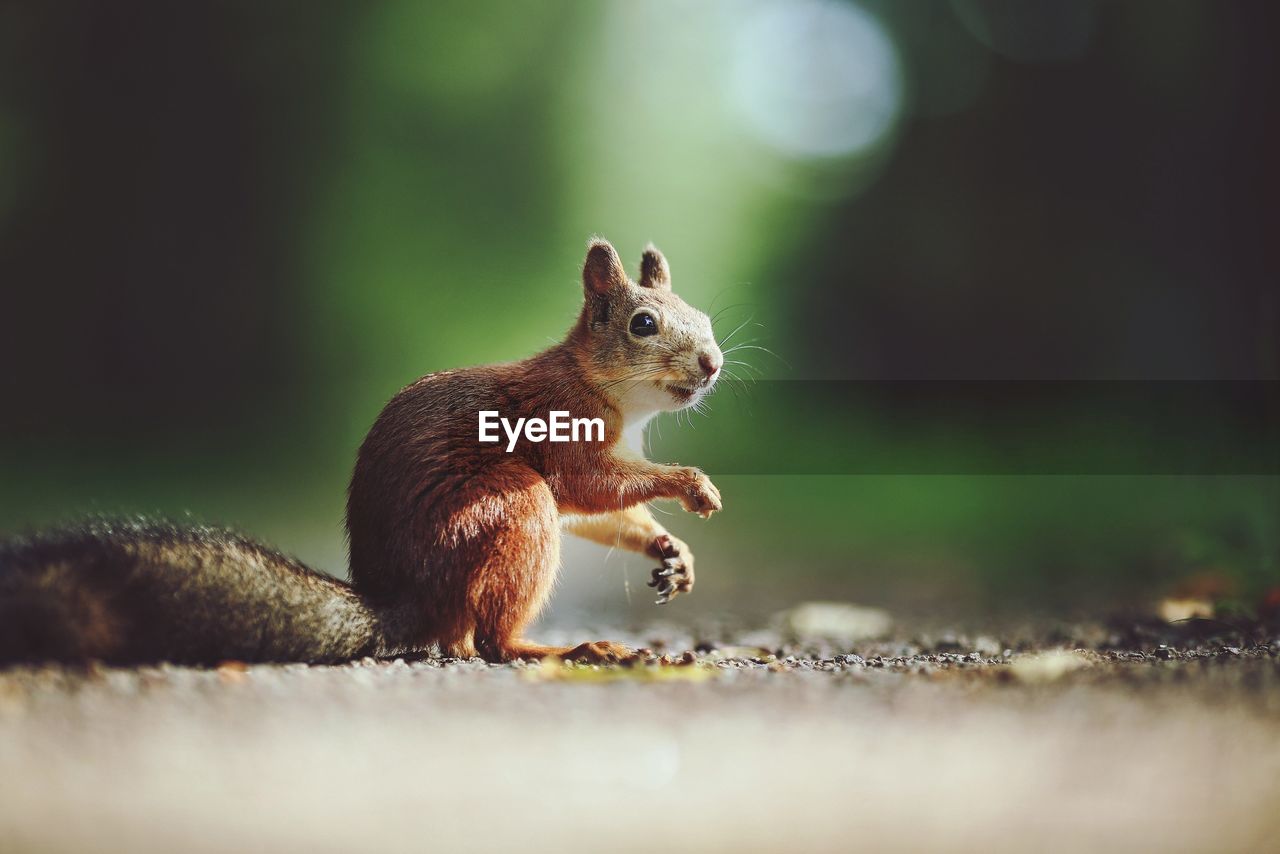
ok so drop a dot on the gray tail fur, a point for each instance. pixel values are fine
(137, 591)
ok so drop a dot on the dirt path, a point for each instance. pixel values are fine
(943, 742)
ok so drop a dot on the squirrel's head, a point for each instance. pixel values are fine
(646, 348)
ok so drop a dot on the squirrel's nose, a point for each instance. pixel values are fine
(710, 363)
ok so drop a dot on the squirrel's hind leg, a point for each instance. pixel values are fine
(593, 652)
(513, 574)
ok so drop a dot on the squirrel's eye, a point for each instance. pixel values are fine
(643, 324)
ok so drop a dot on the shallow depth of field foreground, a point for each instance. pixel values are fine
(1053, 738)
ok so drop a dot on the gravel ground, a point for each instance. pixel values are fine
(1050, 739)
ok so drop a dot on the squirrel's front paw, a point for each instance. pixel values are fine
(675, 576)
(701, 495)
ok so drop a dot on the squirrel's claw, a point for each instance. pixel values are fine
(669, 567)
(675, 576)
(669, 582)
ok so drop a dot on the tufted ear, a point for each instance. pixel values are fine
(603, 271)
(654, 272)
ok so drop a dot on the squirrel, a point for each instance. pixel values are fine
(453, 542)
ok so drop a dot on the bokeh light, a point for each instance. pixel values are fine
(815, 78)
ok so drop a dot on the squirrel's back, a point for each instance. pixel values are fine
(137, 591)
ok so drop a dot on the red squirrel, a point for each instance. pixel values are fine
(454, 541)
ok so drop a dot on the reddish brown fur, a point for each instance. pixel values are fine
(471, 533)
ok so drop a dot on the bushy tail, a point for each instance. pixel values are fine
(139, 591)
(54, 623)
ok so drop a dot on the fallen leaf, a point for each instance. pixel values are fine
(837, 621)
(1175, 610)
(1047, 666)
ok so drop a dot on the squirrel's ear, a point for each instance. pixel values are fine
(654, 272)
(603, 271)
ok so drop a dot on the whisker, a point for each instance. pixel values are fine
(724, 291)
(653, 371)
(637, 382)
(733, 389)
(738, 329)
(738, 347)
(734, 384)
(716, 316)
(746, 365)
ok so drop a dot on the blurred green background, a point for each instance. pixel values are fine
(230, 231)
